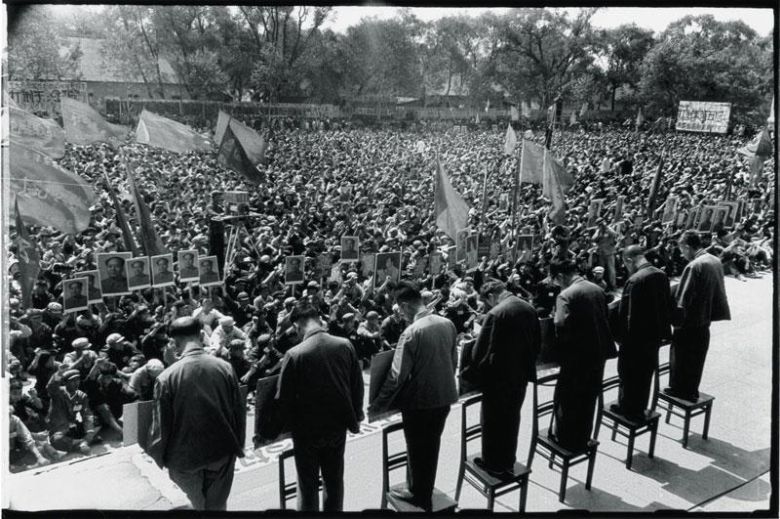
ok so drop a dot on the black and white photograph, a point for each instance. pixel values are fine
(388, 265)
(162, 273)
(138, 273)
(94, 295)
(208, 273)
(113, 273)
(187, 261)
(350, 249)
(293, 270)
(74, 295)
(529, 248)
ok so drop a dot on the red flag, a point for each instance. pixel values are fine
(84, 125)
(165, 133)
(452, 212)
(557, 182)
(241, 150)
(29, 259)
(43, 135)
(49, 194)
(150, 241)
(761, 146)
(531, 164)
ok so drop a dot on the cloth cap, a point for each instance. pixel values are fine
(227, 321)
(598, 270)
(54, 307)
(80, 343)
(114, 338)
(237, 343)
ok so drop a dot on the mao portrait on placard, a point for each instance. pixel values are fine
(188, 265)
(162, 275)
(138, 273)
(208, 273)
(74, 295)
(113, 275)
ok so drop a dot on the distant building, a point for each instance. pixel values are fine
(103, 80)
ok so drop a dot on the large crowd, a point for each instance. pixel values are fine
(72, 373)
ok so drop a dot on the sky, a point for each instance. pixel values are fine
(657, 19)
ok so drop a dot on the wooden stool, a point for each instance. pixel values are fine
(687, 408)
(548, 448)
(398, 460)
(288, 491)
(485, 483)
(624, 426)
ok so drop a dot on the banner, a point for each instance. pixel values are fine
(531, 163)
(703, 116)
(29, 259)
(48, 194)
(233, 155)
(222, 123)
(159, 131)
(43, 135)
(150, 241)
(452, 212)
(84, 125)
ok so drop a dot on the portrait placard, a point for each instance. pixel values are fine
(207, 271)
(138, 273)
(387, 264)
(162, 275)
(94, 295)
(293, 270)
(187, 261)
(350, 248)
(111, 270)
(74, 295)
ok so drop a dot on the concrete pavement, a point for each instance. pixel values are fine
(728, 472)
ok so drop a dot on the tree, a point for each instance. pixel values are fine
(624, 48)
(36, 51)
(701, 59)
(541, 52)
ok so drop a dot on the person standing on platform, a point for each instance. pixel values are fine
(583, 344)
(421, 383)
(644, 322)
(503, 361)
(701, 296)
(320, 397)
(198, 420)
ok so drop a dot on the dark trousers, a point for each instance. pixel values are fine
(636, 364)
(320, 453)
(207, 488)
(500, 420)
(575, 396)
(686, 360)
(422, 430)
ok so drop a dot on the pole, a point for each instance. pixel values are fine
(518, 181)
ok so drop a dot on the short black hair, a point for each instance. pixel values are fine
(633, 251)
(492, 286)
(407, 292)
(565, 267)
(303, 311)
(184, 327)
(691, 239)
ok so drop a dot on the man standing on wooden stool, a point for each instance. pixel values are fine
(583, 344)
(701, 295)
(502, 362)
(421, 383)
(644, 322)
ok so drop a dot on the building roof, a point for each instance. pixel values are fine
(94, 66)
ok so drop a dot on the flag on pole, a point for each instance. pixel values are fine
(761, 146)
(43, 135)
(573, 118)
(639, 119)
(510, 141)
(150, 241)
(584, 109)
(487, 105)
(127, 234)
(659, 173)
(241, 150)
(557, 182)
(47, 193)
(159, 131)
(452, 212)
(531, 163)
(514, 114)
(29, 258)
(222, 121)
(84, 125)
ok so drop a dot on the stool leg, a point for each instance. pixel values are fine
(531, 452)
(564, 477)
(707, 421)
(686, 428)
(491, 498)
(591, 464)
(668, 411)
(552, 460)
(630, 457)
(653, 434)
(523, 495)
(614, 431)
(459, 484)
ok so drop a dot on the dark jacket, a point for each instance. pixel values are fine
(582, 326)
(199, 416)
(422, 375)
(508, 344)
(701, 293)
(321, 386)
(645, 311)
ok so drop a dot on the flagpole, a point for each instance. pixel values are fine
(518, 181)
